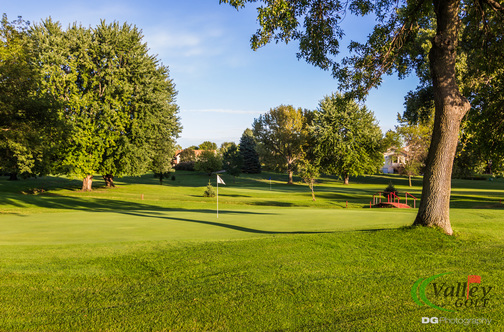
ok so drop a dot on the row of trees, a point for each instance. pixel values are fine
(83, 101)
(341, 138)
(235, 159)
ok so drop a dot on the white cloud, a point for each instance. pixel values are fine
(188, 40)
(161, 39)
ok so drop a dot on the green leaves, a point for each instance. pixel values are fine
(348, 138)
(26, 129)
(208, 162)
(281, 134)
(116, 101)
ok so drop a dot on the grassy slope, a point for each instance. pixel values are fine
(147, 265)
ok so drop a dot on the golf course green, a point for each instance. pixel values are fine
(150, 257)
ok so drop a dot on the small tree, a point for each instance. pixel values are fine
(309, 172)
(210, 191)
(390, 189)
(233, 161)
(417, 139)
(162, 159)
(208, 162)
(248, 149)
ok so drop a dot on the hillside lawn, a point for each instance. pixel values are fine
(109, 260)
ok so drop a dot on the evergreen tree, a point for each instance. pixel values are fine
(232, 160)
(248, 150)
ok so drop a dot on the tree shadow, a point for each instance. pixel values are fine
(273, 203)
(219, 224)
(62, 202)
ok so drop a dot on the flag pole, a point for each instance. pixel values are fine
(217, 195)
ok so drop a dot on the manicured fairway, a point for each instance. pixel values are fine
(272, 261)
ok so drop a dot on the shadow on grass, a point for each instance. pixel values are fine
(219, 224)
(56, 201)
(273, 203)
(143, 210)
(223, 195)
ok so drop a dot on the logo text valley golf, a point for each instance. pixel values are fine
(467, 293)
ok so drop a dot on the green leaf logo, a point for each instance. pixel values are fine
(419, 288)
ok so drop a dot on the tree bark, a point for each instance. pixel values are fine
(409, 179)
(290, 172)
(312, 191)
(346, 179)
(450, 108)
(87, 183)
(109, 180)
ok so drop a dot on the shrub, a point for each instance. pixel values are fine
(390, 189)
(210, 191)
(185, 166)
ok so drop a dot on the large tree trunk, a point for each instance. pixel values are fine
(451, 107)
(109, 180)
(87, 183)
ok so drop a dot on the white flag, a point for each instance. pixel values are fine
(219, 180)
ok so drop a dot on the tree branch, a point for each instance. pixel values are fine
(495, 6)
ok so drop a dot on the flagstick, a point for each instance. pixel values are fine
(217, 196)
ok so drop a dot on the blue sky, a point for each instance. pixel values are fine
(223, 85)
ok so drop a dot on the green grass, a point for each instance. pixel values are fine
(273, 260)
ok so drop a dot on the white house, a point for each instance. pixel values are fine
(395, 159)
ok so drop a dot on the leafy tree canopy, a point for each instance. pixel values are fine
(208, 162)
(28, 130)
(348, 138)
(116, 101)
(281, 134)
(207, 145)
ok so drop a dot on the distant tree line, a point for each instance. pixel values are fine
(83, 101)
(234, 159)
(340, 138)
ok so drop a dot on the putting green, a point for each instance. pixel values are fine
(186, 225)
